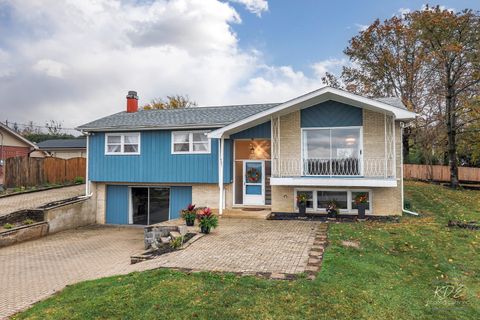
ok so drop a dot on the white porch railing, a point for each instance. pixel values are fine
(353, 167)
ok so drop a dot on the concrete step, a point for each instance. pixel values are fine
(175, 234)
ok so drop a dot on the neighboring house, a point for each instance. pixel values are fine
(144, 166)
(64, 148)
(12, 144)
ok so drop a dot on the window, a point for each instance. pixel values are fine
(319, 199)
(122, 143)
(190, 142)
(325, 197)
(332, 151)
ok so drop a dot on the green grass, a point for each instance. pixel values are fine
(393, 275)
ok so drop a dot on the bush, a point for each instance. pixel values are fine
(28, 221)
(8, 226)
(79, 180)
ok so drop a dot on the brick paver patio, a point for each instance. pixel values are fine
(35, 199)
(33, 270)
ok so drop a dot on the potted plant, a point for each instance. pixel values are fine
(302, 203)
(189, 214)
(361, 200)
(207, 220)
(332, 210)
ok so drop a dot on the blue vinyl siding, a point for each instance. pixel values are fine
(180, 198)
(331, 114)
(262, 131)
(117, 205)
(156, 163)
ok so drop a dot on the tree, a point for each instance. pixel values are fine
(428, 58)
(54, 127)
(452, 44)
(388, 60)
(171, 102)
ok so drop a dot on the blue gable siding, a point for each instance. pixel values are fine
(262, 131)
(156, 163)
(331, 114)
(117, 205)
(180, 198)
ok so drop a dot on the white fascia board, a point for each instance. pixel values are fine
(334, 182)
(309, 99)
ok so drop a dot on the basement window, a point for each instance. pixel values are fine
(122, 143)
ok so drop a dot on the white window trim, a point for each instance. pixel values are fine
(190, 142)
(349, 209)
(302, 144)
(122, 143)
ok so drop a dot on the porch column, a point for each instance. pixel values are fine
(220, 174)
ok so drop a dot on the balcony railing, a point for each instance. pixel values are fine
(352, 167)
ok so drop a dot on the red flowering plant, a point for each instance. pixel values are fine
(361, 198)
(207, 220)
(189, 214)
(332, 208)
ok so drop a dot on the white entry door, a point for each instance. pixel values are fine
(253, 182)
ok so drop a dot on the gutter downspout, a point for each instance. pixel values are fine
(220, 175)
(88, 193)
(402, 125)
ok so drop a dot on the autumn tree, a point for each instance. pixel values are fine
(171, 102)
(452, 44)
(428, 58)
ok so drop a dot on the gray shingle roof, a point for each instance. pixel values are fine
(175, 118)
(393, 101)
(197, 117)
(78, 143)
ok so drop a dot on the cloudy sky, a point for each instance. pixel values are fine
(74, 61)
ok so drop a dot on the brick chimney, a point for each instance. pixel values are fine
(132, 102)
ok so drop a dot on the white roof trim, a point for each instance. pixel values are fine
(305, 101)
(17, 135)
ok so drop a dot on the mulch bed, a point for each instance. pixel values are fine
(472, 225)
(323, 217)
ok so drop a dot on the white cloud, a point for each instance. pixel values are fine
(404, 11)
(50, 68)
(332, 65)
(254, 6)
(361, 27)
(74, 61)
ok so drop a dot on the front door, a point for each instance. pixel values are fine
(253, 182)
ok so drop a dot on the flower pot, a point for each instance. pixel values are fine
(190, 222)
(302, 208)
(361, 211)
(205, 230)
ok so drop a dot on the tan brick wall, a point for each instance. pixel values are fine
(206, 195)
(373, 134)
(100, 195)
(290, 137)
(282, 199)
(386, 201)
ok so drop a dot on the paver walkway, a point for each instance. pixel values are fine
(33, 270)
(35, 199)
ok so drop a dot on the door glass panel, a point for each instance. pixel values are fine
(140, 205)
(159, 204)
(253, 190)
(253, 172)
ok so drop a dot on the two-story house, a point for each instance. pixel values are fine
(145, 165)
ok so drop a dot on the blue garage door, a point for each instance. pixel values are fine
(117, 205)
(180, 197)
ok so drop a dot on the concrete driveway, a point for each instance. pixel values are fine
(33, 270)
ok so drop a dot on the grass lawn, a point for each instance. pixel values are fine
(415, 269)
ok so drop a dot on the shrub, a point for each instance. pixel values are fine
(28, 221)
(176, 243)
(79, 180)
(8, 226)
